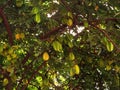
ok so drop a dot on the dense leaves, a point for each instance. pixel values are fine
(59, 45)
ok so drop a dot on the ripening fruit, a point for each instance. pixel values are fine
(45, 56)
(71, 56)
(77, 69)
(5, 81)
(10, 69)
(17, 36)
(108, 67)
(96, 8)
(69, 22)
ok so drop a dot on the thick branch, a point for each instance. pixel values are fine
(52, 32)
(58, 29)
(7, 26)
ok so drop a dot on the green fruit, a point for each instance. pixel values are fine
(70, 15)
(57, 46)
(110, 46)
(108, 67)
(70, 44)
(37, 18)
(19, 3)
(5, 81)
(104, 40)
(35, 10)
(71, 56)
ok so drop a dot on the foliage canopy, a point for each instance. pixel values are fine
(59, 44)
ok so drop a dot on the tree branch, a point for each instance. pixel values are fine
(52, 32)
(10, 39)
(103, 31)
(25, 58)
(33, 75)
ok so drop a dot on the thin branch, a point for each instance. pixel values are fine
(25, 58)
(7, 26)
(105, 33)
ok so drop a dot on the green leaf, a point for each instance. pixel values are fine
(37, 18)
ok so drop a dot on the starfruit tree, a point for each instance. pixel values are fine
(59, 44)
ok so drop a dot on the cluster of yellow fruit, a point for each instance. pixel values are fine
(9, 52)
(19, 36)
(10, 56)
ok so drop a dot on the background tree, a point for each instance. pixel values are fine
(59, 44)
